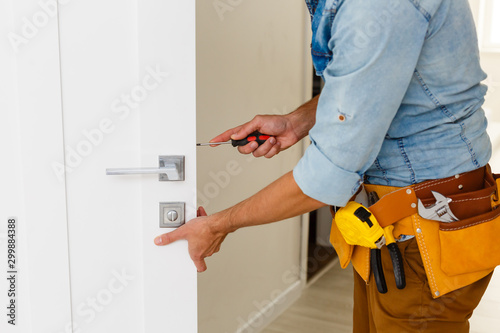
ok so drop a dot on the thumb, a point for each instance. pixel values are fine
(247, 129)
(201, 266)
(170, 237)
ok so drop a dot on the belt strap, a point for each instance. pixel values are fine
(470, 193)
(394, 206)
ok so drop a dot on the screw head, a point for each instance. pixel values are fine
(172, 215)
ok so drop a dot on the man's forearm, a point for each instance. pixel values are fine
(280, 200)
(304, 118)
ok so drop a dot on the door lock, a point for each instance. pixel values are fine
(172, 214)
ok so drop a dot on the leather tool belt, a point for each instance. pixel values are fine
(455, 254)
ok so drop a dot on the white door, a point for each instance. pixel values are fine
(86, 86)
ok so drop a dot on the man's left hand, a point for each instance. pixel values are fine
(202, 236)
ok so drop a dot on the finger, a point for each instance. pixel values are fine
(274, 150)
(265, 147)
(248, 128)
(201, 212)
(170, 237)
(200, 264)
(226, 136)
(248, 148)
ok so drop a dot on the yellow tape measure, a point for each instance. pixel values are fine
(359, 226)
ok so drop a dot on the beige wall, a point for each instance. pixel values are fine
(252, 58)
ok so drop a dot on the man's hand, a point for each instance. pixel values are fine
(278, 201)
(278, 126)
(202, 236)
(286, 130)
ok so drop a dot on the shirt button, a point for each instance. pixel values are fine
(342, 117)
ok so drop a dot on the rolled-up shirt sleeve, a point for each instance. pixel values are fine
(376, 46)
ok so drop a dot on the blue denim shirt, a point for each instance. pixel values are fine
(402, 97)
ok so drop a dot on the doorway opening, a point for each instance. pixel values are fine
(320, 253)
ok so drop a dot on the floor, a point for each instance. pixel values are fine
(322, 256)
(326, 306)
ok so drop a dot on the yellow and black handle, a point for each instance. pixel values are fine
(397, 263)
(360, 227)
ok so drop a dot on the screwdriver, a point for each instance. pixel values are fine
(255, 136)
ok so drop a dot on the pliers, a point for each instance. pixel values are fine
(397, 263)
(376, 257)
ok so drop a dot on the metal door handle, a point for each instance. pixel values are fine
(171, 168)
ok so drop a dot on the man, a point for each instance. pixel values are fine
(401, 105)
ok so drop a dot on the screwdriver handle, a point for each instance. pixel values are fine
(255, 136)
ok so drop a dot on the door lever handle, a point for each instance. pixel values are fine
(171, 168)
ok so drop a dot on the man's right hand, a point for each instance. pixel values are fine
(286, 130)
(280, 127)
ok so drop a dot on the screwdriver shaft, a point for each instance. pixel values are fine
(213, 143)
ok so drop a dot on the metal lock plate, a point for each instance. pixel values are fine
(172, 214)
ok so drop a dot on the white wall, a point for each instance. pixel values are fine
(252, 58)
(482, 319)
(490, 62)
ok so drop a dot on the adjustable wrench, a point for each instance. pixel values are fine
(440, 211)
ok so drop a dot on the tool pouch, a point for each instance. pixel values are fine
(344, 250)
(454, 254)
(460, 253)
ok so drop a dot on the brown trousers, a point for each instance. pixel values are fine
(412, 309)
